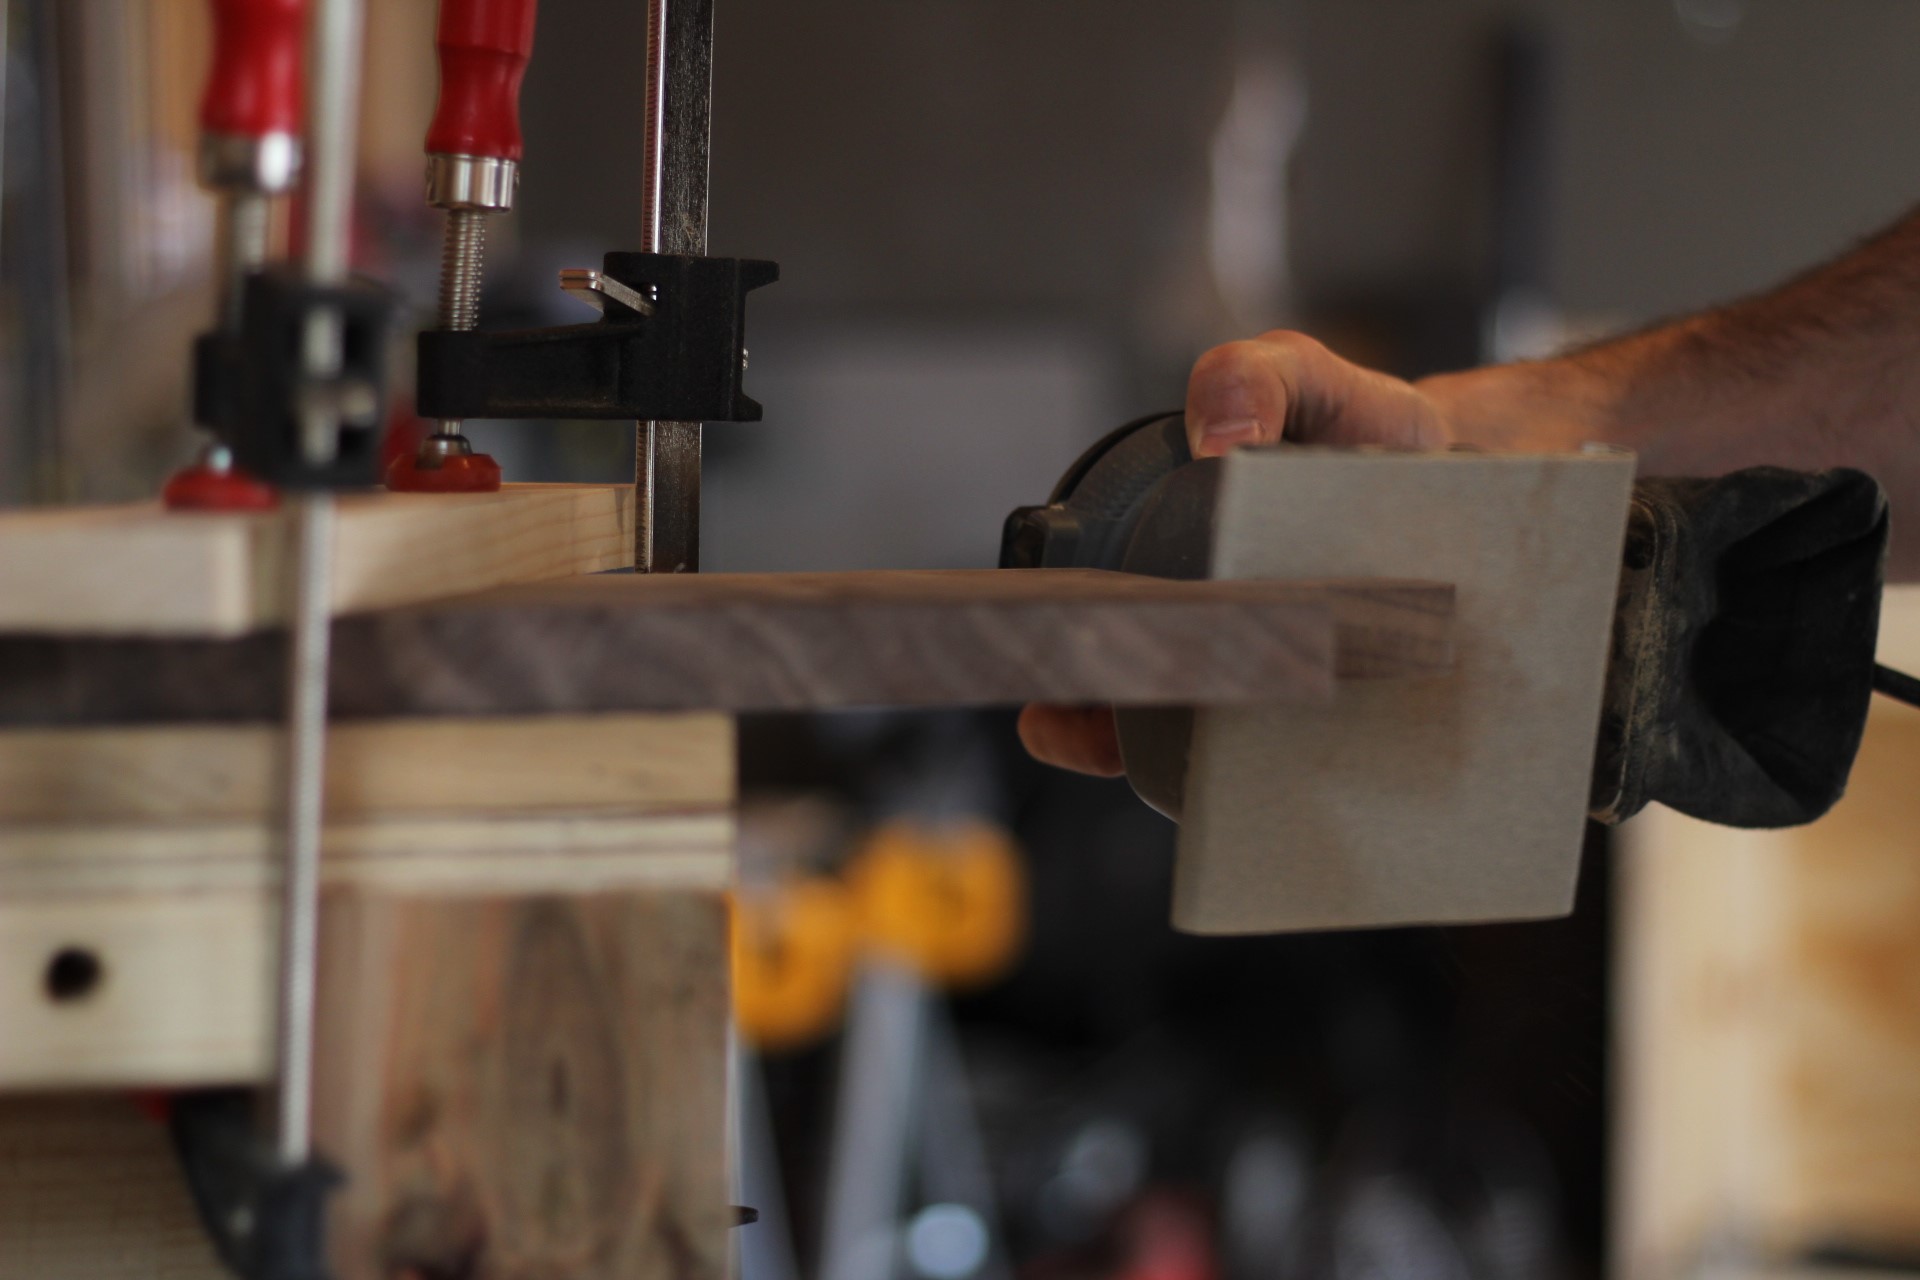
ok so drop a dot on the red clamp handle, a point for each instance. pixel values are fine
(484, 46)
(253, 87)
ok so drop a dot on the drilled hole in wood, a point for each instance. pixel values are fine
(73, 973)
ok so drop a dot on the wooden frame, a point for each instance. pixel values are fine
(523, 992)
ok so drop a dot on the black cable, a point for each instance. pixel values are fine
(1897, 685)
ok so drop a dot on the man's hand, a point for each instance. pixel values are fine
(1279, 386)
(1820, 372)
(1286, 386)
(1082, 739)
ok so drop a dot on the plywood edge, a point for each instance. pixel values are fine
(548, 853)
(90, 1189)
(180, 923)
(540, 853)
(183, 996)
(632, 763)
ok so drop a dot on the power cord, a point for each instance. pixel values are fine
(1897, 685)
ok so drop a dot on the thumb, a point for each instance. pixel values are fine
(1284, 385)
(1238, 394)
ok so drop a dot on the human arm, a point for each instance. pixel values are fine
(1823, 371)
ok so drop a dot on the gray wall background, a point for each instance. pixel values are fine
(993, 214)
(946, 176)
(1004, 156)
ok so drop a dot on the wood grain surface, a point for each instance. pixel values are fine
(623, 642)
(141, 570)
(527, 1087)
(1768, 1019)
(523, 999)
(470, 768)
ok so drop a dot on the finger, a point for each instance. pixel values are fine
(1284, 385)
(1083, 739)
(1237, 395)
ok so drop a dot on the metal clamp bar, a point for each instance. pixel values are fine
(333, 110)
(674, 220)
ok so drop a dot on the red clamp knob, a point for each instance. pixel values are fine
(461, 473)
(253, 88)
(484, 46)
(206, 487)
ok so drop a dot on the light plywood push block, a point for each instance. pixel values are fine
(1454, 799)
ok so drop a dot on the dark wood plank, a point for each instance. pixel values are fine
(740, 642)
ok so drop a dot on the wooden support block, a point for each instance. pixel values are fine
(139, 569)
(527, 1086)
(523, 996)
(391, 769)
(777, 642)
(1404, 802)
(151, 852)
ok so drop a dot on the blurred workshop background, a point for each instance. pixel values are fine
(971, 1046)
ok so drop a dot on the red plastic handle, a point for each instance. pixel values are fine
(253, 88)
(484, 46)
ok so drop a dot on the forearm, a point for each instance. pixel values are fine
(1821, 372)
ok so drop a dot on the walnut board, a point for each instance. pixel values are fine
(1404, 802)
(624, 642)
(139, 569)
(153, 851)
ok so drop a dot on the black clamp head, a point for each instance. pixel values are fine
(298, 388)
(670, 346)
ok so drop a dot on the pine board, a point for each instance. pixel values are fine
(527, 1086)
(138, 569)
